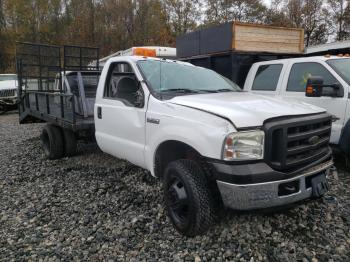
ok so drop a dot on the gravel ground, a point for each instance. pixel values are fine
(95, 207)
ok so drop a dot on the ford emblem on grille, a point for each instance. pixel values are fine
(314, 140)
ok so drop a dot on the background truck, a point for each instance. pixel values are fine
(288, 78)
(271, 61)
(8, 91)
(209, 142)
(240, 46)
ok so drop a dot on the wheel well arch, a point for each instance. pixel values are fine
(172, 150)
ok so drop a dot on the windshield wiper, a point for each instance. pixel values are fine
(217, 90)
(224, 90)
(180, 90)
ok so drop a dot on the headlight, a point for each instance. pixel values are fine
(244, 145)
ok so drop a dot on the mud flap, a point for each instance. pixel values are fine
(319, 186)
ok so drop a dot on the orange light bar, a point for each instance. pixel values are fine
(140, 51)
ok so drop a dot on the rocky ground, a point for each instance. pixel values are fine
(95, 207)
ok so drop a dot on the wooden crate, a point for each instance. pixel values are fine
(262, 38)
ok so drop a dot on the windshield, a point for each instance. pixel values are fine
(172, 78)
(342, 67)
(8, 77)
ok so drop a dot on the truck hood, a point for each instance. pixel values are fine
(245, 109)
(7, 84)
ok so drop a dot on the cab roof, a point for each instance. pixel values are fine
(305, 59)
(144, 58)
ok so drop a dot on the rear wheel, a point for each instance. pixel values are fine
(188, 199)
(70, 142)
(52, 141)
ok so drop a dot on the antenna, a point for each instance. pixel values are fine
(160, 79)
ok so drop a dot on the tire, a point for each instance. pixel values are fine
(70, 142)
(52, 140)
(188, 199)
(344, 141)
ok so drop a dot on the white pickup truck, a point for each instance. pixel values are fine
(288, 78)
(201, 135)
(209, 142)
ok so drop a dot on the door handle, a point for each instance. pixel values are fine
(99, 112)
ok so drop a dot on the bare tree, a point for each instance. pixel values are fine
(275, 15)
(310, 15)
(182, 15)
(235, 10)
(340, 16)
(2, 17)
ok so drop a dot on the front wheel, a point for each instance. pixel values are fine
(188, 199)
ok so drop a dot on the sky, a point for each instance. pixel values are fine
(267, 2)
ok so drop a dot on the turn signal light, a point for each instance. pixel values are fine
(309, 90)
(140, 51)
(228, 154)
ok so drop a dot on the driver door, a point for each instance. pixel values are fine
(120, 121)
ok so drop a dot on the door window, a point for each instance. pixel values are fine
(267, 76)
(300, 73)
(342, 67)
(122, 85)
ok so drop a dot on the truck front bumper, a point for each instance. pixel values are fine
(9, 101)
(265, 194)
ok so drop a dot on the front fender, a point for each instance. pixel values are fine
(202, 131)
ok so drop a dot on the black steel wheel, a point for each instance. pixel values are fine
(52, 141)
(178, 201)
(188, 199)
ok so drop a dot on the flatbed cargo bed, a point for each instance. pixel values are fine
(49, 92)
(40, 107)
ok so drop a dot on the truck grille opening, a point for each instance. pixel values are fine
(297, 142)
(7, 93)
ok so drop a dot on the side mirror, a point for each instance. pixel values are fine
(314, 86)
(338, 90)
